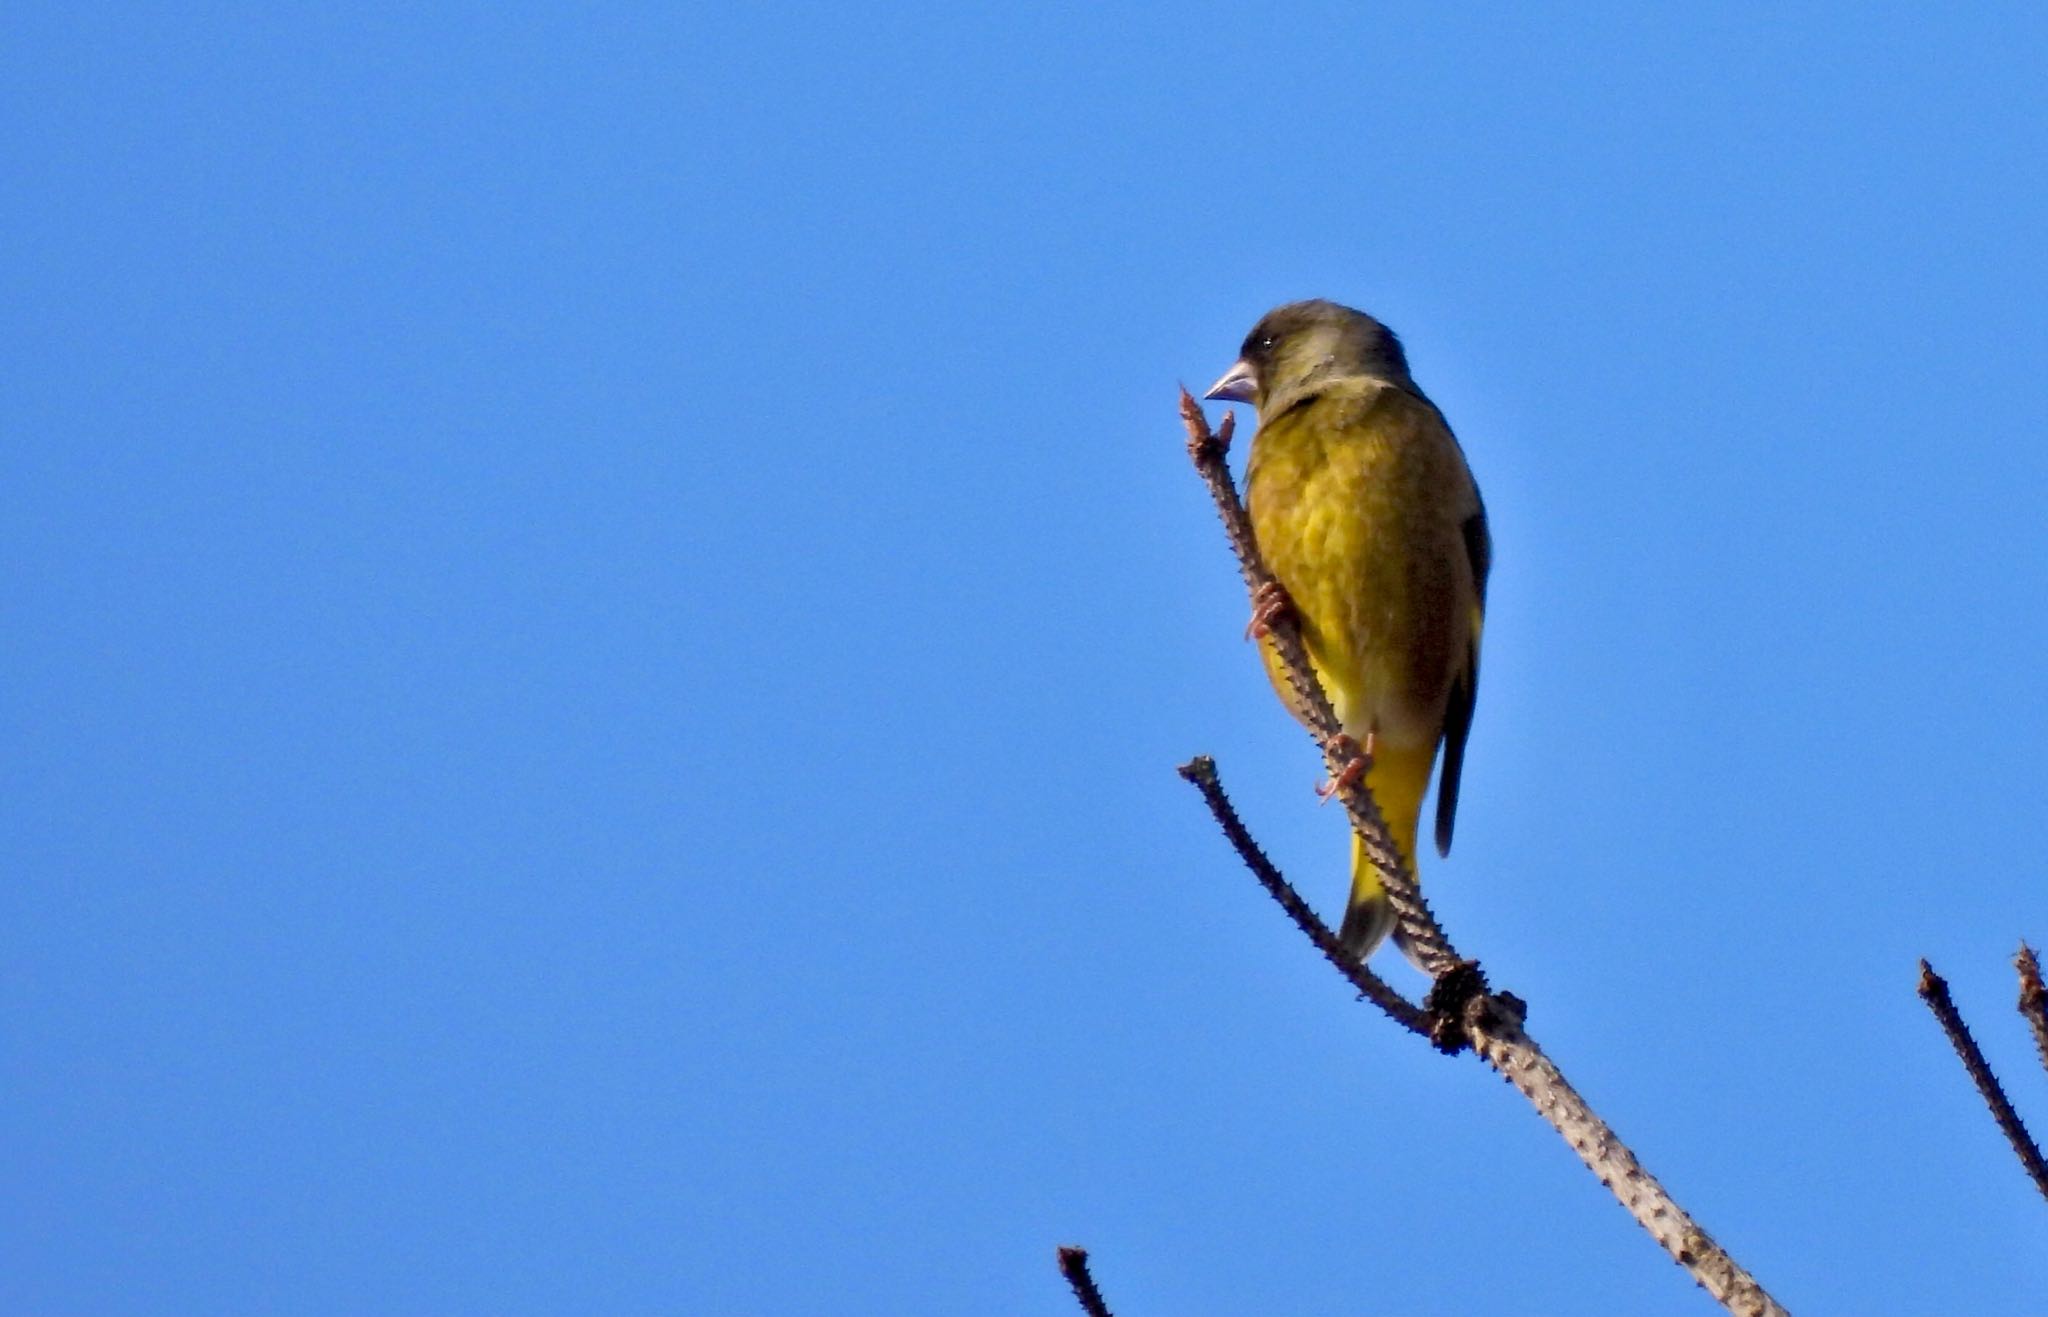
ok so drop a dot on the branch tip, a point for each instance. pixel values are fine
(1206, 448)
(1074, 1266)
(1201, 772)
(2033, 999)
(2031, 986)
(1934, 991)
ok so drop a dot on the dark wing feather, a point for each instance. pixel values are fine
(1478, 548)
(1464, 686)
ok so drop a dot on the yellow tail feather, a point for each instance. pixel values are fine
(1397, 781)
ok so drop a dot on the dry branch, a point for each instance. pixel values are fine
(1934, 991)
(2033, 999)
(1461, 1003)
(1074, 1266)
(1201, 770)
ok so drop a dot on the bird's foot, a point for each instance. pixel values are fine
(1269, 604)
(1353, 771)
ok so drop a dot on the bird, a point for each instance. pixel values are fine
(1368, 517)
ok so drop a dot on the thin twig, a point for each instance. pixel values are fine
(1201, 770)
(1491, 1021)
(1424, 935)
(1934, 991)
(2033, 999)
(1074, 1266)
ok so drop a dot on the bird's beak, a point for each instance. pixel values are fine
(1239, 384)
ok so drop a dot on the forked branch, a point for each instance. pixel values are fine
(1461, 1006)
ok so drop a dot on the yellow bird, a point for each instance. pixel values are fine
(1368, 516)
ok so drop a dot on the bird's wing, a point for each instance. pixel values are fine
(1465, 683)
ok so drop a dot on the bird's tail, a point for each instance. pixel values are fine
(1397, 782)
(1370, 916)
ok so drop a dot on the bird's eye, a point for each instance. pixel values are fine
(1266, 343)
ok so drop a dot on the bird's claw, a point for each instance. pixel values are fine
(1353, 771)
(1269, 604)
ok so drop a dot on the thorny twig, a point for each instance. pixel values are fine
(1492, 1022)
(2033, 999)
(1934, 991)
(1074, 1266)
(1201, 770)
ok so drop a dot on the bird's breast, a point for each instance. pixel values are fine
(1350, 518)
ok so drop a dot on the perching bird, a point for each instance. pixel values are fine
(1367, 514)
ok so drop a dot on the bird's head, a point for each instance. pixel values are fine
(1298, 349)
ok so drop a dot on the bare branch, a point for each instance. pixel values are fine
(1495, 1026)
(2033, 999)
(1074, 1266)
(1934, 991)
(1460, 999)
(1201, 770)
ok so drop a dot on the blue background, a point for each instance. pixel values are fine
(602, 603)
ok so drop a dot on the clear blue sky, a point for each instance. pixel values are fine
(602, 603)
